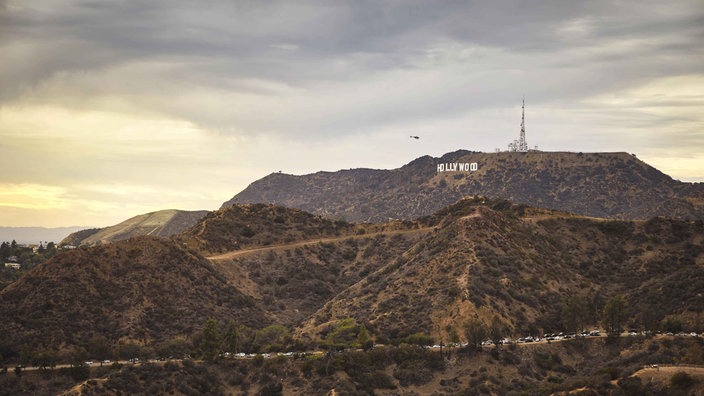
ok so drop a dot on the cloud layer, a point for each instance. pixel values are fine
(123, 107)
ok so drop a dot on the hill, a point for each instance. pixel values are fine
(154, 289)
(240, 227)
(145, 289)
(292, 262)
(605, 185)
(162, 223)
(476, 258)
(491, 258)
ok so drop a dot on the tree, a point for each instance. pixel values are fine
(650, 317)
(272, 338)
(210, 339)
(574, 314)
(128, 350)
(231, 338)
(496, 333)
(475, 332)
(99, 347)
(363, 340)
(47, 358)
(595, 304)
(453, 337)
(79, 370)
(78, 356)
(614, 315)
(344, 335)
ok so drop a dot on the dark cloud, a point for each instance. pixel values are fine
(440, 58)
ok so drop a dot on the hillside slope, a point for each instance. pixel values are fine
(492, 258)
(153, 289)
(162, 223)
(147, 289)
(291, 262)
(605, 185)
(478, 258)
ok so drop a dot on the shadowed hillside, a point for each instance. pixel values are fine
(607, 185)
(146, 289)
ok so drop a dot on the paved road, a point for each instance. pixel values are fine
(94, 364)
(661, 368)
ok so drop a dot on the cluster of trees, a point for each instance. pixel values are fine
(347, 334)
(213, 340)
(579, 311)
(26, 255)
(476, 331)
(23, 255)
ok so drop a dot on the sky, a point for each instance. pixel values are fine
(110, 109)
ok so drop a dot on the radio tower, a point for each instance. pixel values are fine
(520, 145)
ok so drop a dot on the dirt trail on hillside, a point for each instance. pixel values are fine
(237, 253)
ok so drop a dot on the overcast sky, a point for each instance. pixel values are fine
(111, 109)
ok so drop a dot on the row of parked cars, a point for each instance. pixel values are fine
(241, 355)
(90, 362)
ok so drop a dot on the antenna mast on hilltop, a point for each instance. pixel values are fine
(520, 145)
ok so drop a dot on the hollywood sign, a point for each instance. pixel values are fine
(458, 167)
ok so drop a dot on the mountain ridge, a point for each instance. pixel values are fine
(606, 185)
(146, 289)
